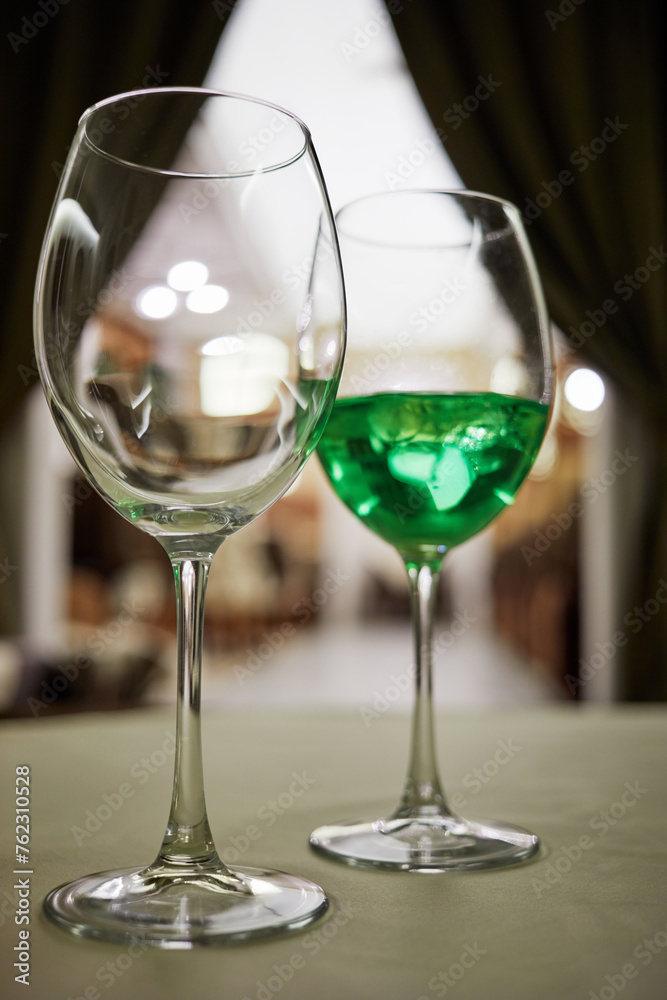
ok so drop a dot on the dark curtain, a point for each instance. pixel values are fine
(58, 59)
(560, 107)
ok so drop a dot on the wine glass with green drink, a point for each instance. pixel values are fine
(442, 407)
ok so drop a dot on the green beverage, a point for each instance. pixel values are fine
(426, 470)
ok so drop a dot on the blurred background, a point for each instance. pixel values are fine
(564, 597)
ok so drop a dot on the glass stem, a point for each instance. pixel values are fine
(188, 840)
(422, 795)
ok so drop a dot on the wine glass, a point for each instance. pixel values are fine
(442, 406)
(189, 330)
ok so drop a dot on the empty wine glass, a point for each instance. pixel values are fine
(441, 410)
(189, 330)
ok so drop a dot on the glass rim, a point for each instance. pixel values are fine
(144, 92)
(511, 210)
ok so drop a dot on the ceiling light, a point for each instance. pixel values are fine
(207, 299)
(157, 302)
(584, 389)
(187, 275)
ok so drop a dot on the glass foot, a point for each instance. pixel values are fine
(425, 843)
(172, 911)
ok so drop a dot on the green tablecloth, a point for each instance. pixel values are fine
(588, 919)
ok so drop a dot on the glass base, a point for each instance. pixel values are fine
(433, 843)
(172, 911)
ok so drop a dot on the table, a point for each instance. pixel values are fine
(587, 920)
